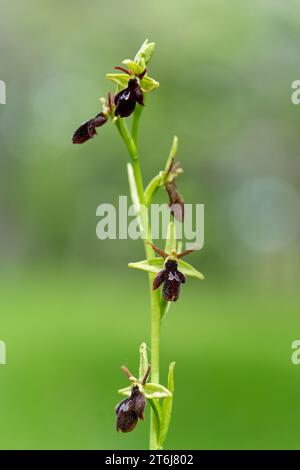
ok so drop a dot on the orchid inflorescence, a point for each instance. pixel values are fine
(168, 269)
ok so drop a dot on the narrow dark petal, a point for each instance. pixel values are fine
(158, 250)
(184, 253)
(122, 69)
(181, 277)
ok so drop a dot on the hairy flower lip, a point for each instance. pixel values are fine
(130, 410)
(170, 277)
(127, 98)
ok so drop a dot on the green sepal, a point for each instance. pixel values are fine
(154, 265)
(150, 391)
(121, 79)
(189, 270)
(148, 84)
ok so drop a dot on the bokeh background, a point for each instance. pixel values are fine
(70, 311)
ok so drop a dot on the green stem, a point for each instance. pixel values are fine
(135, 122)
(130, 142)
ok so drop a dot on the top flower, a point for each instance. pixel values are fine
(131, 84)
(134, 81)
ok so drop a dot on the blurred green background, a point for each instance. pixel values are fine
(70, 311)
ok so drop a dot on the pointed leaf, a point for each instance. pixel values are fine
(143, 361)
(156, 391)
(167, 406)
(120, 79)
(189, 270)
(148, 84)
(153, 265)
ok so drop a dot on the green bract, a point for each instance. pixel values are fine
(167, 407)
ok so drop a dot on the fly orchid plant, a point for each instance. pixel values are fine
(168, 269)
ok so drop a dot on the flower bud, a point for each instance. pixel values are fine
(176, 203)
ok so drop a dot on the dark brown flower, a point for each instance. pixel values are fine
(129, 410)
(126, 99)
(170, 277)
(87, 130)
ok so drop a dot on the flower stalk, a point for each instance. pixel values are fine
(130, 141)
